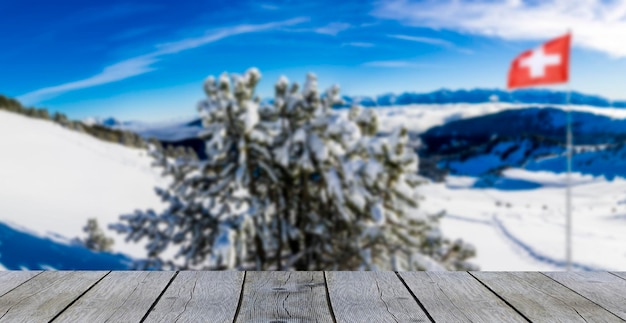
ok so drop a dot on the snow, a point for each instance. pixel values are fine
(54, 179)
(460, 181)
(547, 178)
(524, 229)
(250, 116)
(378, 214)
(282, 81)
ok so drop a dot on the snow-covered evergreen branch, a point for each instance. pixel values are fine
(291, 185)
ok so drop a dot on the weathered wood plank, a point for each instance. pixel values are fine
(540, 298)
(372, 297)
(44, 296)
(284, 297)
(122, 296)
(621, 274)
(11, 279)
(199, 296)
(601, 288)
(458, 297)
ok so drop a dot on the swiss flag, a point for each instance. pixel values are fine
(547, 64)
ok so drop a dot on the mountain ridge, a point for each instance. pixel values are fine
(481, 95)
(444, 96)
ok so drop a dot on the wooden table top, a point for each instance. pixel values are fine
(315, 296)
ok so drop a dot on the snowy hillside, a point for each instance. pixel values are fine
(53, 179)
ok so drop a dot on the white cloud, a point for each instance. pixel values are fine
(190, 43)
(596, 24)
(333, 28)
(395, 64)
(358, 44)
(113, 73)
(425, 40)
(143, 64)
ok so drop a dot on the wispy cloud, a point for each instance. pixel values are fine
(333, 28)
(432, 41)
(596, 24)
(190, 43)
(143, 64)
(113, 73)
(395, 64)
(358, 44)
(425, 40)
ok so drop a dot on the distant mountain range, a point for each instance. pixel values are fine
(444, 96)
(532, 138)
(547, 122)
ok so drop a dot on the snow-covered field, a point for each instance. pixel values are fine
(52, 180)
(525, 229)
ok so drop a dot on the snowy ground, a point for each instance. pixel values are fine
(525, 229)
(53, 179)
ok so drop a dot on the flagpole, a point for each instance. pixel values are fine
(568, 189)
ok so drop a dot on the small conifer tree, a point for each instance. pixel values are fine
(96, 240)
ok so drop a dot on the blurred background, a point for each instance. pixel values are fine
(85, 85)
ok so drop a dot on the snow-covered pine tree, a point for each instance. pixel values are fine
(96, 240)
(211, 214)
(388, 165)
(292, 185)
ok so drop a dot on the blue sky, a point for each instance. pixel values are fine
(146, 60)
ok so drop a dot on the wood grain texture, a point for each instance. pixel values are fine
(540, 298)
(458, 297)
(621, 274)
(122, 296)
(44, 296)
(11, 279)
(372, 297)
(281, 297)
(601, 288)
(199, 296)
(284, 297)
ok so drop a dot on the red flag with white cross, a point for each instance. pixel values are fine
(546, 64)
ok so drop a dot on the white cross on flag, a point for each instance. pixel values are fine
(547, 64)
